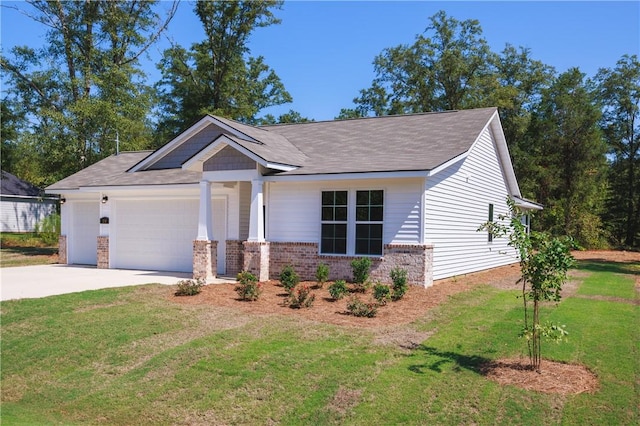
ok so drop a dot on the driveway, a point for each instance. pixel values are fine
(46, 280)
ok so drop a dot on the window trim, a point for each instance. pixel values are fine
(334, 222)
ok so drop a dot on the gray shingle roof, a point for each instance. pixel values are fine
(389, 143)
(112, 171)
(378, 144)
(13, 185)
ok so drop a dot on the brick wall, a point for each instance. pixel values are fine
(205, 260)
(103, 252)
(304, 257)
(234, 257)
(62, 250)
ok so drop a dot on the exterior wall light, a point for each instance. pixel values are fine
(104, 199)
(63, 200)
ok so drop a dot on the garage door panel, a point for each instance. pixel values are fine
(156, 234)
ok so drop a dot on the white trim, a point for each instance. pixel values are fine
(347, 176)
(448, 164)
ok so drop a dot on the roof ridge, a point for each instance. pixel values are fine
(413, 114)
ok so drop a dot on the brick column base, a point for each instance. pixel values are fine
(103, 252)
(205, 261)
(62, 250)
(256, 259)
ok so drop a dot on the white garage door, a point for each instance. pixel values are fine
(155, 234)
(85, 217)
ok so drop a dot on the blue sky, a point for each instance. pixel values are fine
(323, 51)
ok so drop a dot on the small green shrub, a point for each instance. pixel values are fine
(322, 274)
(338, 289)
(382, 293)
(48, 229)
(248, 287)
(359, 308)
(189, 287)
(399, 286)
(289, 278)
(301, 297)
(361, 268)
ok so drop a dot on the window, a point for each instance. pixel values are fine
(490, 220)
(369, 214)
(334, 222)
(352, 231)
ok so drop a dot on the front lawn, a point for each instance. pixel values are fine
(131, 355)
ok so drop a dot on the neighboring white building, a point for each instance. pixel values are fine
(23, 205)
(408, 191)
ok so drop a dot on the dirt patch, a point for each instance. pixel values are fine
(553, 377)
(608, 256)
(344, 400)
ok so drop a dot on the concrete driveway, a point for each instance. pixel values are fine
(27, 282)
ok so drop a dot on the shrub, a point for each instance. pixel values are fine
(248, 287)
(361, 268)
(382, 293)
(189, 287)
(322, 274)
(359, 308)
(289, 278)
(48, 229)
(338, 289)
(399, 286)
(301, 297)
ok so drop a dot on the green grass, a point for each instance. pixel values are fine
(24, 249)
(121, 355)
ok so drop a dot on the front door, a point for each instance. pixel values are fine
(219, 210)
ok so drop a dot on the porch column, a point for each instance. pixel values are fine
(256, 215)
(205, 217)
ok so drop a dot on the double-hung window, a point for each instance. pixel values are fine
(334, 222)
(352, 222)
(369, 214)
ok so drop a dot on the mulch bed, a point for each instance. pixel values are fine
(555, 377)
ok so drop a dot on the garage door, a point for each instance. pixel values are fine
(85, 217)
(155, 234)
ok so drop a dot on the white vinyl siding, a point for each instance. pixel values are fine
(294, 209)
(456, 204)
(23, 214)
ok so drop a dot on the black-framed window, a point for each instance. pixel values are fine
(334, 222)
(490, 237)
(369, 220)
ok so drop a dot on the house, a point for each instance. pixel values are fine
(22, 205)
(409, 191)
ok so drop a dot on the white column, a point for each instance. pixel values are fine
(256, 216)
(205, 217)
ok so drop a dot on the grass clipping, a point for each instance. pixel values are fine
(553, 377)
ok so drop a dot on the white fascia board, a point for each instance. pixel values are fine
(503, 155)
(447, 164)
(526, 204)
(347, 176)
(158, 187)
(201, 124)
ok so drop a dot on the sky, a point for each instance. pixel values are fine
(323, 50)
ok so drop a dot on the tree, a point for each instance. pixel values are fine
(217, 75)
(85, 86)
(288, 117)
(448, 67)
(567, 162)
(619, 92)
(544, 263)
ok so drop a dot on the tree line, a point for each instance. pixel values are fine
(573, 139)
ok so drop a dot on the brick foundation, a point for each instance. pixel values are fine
(103, 252)
(205, 260)
(234, 257)
(256, 259)
(62, 250)
(304, 257)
